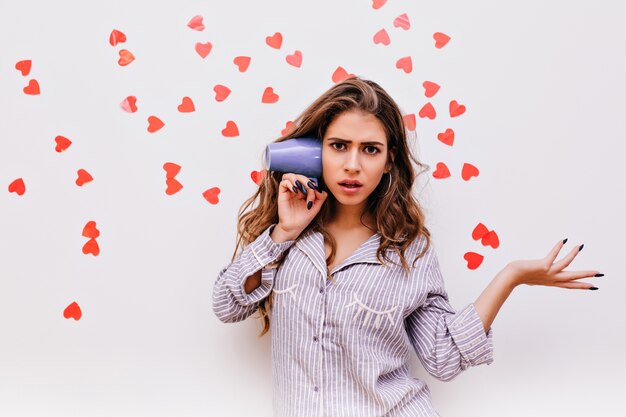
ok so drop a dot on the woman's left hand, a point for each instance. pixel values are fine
(547, 272)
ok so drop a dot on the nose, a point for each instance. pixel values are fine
(353, 161)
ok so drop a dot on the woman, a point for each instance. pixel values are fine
(347, 274)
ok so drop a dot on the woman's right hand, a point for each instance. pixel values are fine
(293, 214)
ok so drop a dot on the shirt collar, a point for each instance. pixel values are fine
(312, 244)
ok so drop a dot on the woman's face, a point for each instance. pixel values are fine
(354, 148)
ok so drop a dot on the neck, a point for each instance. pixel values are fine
(351, 217)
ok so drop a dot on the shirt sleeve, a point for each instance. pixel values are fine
(231, 303)
(446, 341)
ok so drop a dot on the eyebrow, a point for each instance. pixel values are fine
(362, 143)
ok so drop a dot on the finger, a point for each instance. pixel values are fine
(564, 263)
(555, 251)
(301, 187)
(573, 275)
(575, 285)
(288, 185)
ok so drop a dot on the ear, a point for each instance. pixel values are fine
(392, 154)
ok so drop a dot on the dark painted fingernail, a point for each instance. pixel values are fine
(309, 205)
(295, 189)
(311, 185)
(301, 187)
(564, 241)
(593, 288)
(598, 275)
(581, 247)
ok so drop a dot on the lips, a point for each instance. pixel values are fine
(350, 183)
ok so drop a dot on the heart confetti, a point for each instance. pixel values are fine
(402, 21)
(468, 171)
(242, 62)
(231, 130)
(430, 88)
(73, 311)
(377, 4)
(129, 104)
(154, 124)
(83, 177)
(441, 39)
(212, 195)
(90, 230)
(473, 260)
(17, 186)
(126, 57)
(456, 109)
(221, 92)
(269, 96)
(257, 176)
(446, 137)
(442, 171)
(24, 66)
(203, 49)
(32, 89)
(294, 59)
(91, 247)
(116, 37)
(62, 143)
(173, 186)
(409, 121)
(427, 111)
(196, 23)
(186, 106)
(491, 239)
(405, 64)
(275, 41)
(341, 74)
(382, 37)
(288, 126)
(171, 169)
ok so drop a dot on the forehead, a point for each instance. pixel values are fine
(356, 126)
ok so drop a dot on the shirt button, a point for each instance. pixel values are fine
(316, 388)
(321, 290)
(315, 338)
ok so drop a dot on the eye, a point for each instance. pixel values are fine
(375, 150)
(337, 143)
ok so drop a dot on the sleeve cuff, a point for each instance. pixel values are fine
(468, 333)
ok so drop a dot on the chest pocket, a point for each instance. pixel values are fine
(369, 315)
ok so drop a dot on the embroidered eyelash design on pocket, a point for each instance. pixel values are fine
(289, 290)
(379, 314)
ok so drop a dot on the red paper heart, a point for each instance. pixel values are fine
(116, 37)
(196, 23)
(427, 110)
(173, 186)
(129, 104)
(275, 41)
(442, 171)
(473, 260)
(242, 62)
(341, 74)
(221, 92)
(446, 137)
(212, 195)
(203, 49)
(90, 230)
(479, 231)
(126, 57)
(402, 21)
(62, 143)
(491, 239)
(382, 37)
(154, 124)
(231, 130)
(269, 96)
(24, 66)
(257, 176)
(32, 88)
(83, 177)
(171, 169)
(288, 126)
(295, 59)
(441, 39)
(456, 109)
(186, 106)
(91, 247)
(18, 187)
(405, 64)
(468, 171)
(73, 311)
(377, 4)
(409, 121)
(430, 88)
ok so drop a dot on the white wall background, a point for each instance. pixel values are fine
(544, 89)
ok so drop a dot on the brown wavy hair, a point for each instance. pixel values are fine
(399, 216)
